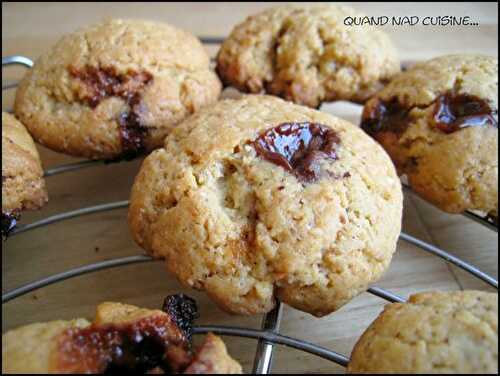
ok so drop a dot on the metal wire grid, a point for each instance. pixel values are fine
(269, 335)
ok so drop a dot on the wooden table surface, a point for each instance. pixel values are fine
(29, 29)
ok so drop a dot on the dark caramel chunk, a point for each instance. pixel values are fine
(298, 147)
(452, 112)
(107, 82)
(154, 344)
(149, 344)
(101, 83)
(455, 112)
(9, 223)
(380, 116)
(132, 133)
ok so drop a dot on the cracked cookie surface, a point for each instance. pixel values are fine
(307, 55)
(435, 332)
(122, 339)
(439, 123)
(257, 198)
(23, 186)
(115, 89)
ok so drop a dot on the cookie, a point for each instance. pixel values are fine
(306, 54)
(259, 199)
(439, 123)
(116, 89)
(23, 186)
(435, 332)
(122, 338)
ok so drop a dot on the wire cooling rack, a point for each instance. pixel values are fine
(269, 334)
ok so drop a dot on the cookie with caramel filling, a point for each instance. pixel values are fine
(439, 123)
(116, 89)
(259, 199)
(121, 339)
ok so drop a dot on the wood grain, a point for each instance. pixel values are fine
(30, 28)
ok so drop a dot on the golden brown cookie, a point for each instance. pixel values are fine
(435, 332)
(115, 89)
(257, 199)
(23, 186)
(122, 339)
(439, 123)
(306, 54)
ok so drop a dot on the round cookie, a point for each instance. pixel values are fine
(115, 89)
(257, 199)
(306, 54)
(436, 332)
(23, 186)
(439, 123)
(122, 338)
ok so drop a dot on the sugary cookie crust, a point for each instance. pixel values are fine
(307, 55)
(247, 230)
(28, 349)
(438, 332)
(115, 89)
(23, 186)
